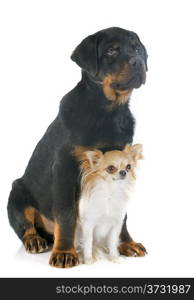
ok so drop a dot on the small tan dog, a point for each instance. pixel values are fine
(106, 183)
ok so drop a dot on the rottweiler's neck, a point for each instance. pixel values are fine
(93, 84)
(102, 90)
(93, 94)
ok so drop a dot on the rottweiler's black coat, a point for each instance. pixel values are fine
(43, 203)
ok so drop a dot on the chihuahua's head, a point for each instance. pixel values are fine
(110, 166)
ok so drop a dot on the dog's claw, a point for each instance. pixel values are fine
(63, 259)
(35, 244)
(132, 249)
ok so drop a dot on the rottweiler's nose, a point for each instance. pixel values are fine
(135, 61)
(122, 173)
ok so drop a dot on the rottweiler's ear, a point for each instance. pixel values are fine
(85, 54)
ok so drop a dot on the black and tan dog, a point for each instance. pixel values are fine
(42, 205)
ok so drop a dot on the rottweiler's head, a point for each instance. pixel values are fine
(116, 59)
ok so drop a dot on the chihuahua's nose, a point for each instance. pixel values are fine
(122, 173)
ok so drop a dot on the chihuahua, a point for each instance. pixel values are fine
(106, 182)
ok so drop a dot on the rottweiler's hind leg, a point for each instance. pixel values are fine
(22, 217)
(33, 242)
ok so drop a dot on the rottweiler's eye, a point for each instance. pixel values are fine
(128, 167)
(111, 169)
(137, 49)
(112, 51)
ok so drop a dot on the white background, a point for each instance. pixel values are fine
(37, 39)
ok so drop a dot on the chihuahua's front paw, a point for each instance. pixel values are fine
(64, 259)
(89, 260)
(113, 255)
(114, 259)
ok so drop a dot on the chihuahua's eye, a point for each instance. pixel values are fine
(111, 169)
(128, 167)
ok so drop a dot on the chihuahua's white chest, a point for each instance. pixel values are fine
(101, 213)
(106, 200)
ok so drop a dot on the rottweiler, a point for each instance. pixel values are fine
(43, 203)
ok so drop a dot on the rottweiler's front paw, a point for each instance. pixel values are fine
(64, 259)
(35, 244)
(132, 249)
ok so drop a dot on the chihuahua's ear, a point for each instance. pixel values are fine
(88, 157)
(135, 150)
(127, 148)
(94, 157)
